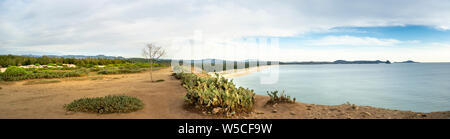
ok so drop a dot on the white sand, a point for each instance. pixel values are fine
(239, 72)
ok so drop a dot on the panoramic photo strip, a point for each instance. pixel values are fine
(225, 67)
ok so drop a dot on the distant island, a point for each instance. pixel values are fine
(340, 62)
(409, 61)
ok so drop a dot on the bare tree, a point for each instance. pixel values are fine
(152, 52)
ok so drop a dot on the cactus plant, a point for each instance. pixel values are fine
(208, 93)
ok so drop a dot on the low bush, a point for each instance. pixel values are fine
(216, 95)
(107, 104)
(279, 98)
(14, 71)
(39, 74)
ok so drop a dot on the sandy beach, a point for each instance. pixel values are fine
(240, 72)
(162, 100)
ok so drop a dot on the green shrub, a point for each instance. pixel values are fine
(161, 80)
(216, 95)
(107, 104)
(41, 74)
(15, 71)
(282, 98)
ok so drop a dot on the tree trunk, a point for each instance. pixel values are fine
(151, 70)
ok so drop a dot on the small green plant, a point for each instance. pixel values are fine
(107, 104)
(279, 98)
(160, 80)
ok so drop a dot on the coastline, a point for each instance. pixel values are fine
(240, 72)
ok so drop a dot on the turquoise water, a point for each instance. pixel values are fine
(421, 87)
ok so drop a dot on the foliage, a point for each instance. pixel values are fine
(107, 104)
(11, 60)
(216, 95)
(15, 74)
(282, 98)
(15, 71)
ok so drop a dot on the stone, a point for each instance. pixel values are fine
(274, 111)
(292, 113)
(367, 113)
(216, 110)
(259, 112)
(275, 105)
(69, 112)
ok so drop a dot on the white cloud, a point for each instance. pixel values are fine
(358, 41)
(123, 27)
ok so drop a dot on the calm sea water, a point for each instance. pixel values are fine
(421, 87)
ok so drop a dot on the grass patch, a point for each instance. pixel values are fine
(96, 78)
(160, 80)
(107, 104)
(279, 98)
(41, 82)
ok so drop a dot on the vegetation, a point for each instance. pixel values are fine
(160, 80)
(41, 82)
(282, 98)
(107, 104)
(11, 60)
(14, 73)
(216, 95)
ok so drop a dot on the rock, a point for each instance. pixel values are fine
(204, 113)
(308, 108)
(333, 109)
(216, 110)
(274, 111)
(259, 112)
(292, 113)
(275, 105)
(69, 112)
(367, 113)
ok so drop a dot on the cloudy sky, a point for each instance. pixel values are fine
(304, 30)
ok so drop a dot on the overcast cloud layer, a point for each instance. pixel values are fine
(93, 27)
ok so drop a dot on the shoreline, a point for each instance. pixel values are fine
(240, 72)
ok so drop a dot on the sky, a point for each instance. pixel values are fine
(295, 30)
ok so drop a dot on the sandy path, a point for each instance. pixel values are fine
(162, 100)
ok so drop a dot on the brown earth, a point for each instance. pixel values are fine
(161, 99)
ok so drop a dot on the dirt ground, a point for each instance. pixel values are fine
(161, 99)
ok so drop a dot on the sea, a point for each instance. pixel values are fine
(418, 87)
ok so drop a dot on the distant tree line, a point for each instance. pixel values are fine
(11, 60)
